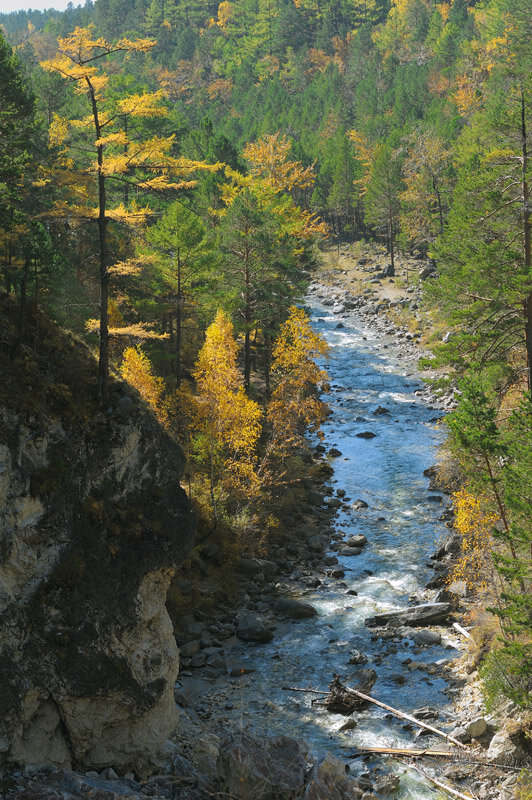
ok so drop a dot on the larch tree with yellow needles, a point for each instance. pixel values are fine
(295, 406)
(98, 146)
(228, 422)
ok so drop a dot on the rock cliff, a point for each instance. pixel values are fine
(92, 525)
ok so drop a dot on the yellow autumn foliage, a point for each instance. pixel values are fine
(474, 523)
(137, 370)
(228, 422)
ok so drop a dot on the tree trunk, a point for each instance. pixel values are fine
(247, 327)
(178, 323)
(103, 362)
(267, 363)
(392, 249)
(22, 313)
(527, 305)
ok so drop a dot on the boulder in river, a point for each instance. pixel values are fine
(366, 435)
(426, 614)
(358, 504)
(253, 629)
(295, 609)
(380, 411)
(426, 638)
(350, 551)
(358, 540)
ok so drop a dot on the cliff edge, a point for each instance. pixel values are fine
(93, 523)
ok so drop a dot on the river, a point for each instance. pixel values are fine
(367, 369)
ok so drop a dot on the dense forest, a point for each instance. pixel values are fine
(170, 170)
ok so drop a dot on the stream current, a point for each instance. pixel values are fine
(366, 369)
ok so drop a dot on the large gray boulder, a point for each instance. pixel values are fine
(274, 769)
(294, 609)
(426, 614)
(510, 745)
(251, 628)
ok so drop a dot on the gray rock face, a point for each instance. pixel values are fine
(253, 629)
(329, 782)
(509, 745)
(92, 525)
(274, 769)
(426, 614)
(295, 609)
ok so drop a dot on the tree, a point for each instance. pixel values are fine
(428, 179)
(137, 370)
(18, 137)
(145, 164)
(380, 188)
(295, 406)
(182, 255)
(228, 422)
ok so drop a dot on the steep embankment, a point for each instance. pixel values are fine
(92, 524)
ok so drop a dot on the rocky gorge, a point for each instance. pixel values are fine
(350, 586)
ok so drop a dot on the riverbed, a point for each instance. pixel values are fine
(370, 370)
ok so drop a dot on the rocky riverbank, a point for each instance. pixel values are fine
(231, 739)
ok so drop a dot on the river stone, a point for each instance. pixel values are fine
(380, 410)
(478, 727)
(425, 614)
(256, 566)
(387, 785)
(271, 769)
(358, 504)
(295, 609)
(334, 452)
(359, 540)
(253, 629)
(333, 502)
(350, 551)
(189, 649)
(366, 435)
(426, 637)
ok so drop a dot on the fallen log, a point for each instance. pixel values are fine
(395, 711)
(402, 751)
(444, 787)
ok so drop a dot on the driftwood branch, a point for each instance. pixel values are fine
(394, 711)
(462, 630)
(401, 751)
(444, 787)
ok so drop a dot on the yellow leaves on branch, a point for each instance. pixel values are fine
(58, 130)
(474, 524)
(137, 370)
(148, 104)
(229, 422)
(295, 404)
(268, 158)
